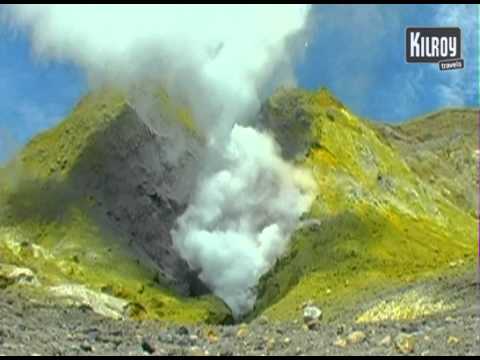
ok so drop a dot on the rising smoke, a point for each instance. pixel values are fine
(239, 221)
(219, 61)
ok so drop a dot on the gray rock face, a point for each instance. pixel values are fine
(285, 115)
(139, 188)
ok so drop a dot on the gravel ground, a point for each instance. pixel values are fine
(31, 327)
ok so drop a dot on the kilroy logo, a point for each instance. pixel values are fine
(442, 45)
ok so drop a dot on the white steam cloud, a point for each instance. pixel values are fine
(219, 61)
(240, 219)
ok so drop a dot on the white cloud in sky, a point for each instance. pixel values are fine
(460, 85)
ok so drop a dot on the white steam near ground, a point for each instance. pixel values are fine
(219, 61)
(239, 221)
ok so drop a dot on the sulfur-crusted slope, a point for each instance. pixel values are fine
(92, 201)
(377, 223)
(441, 149)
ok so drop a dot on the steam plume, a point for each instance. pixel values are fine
(218, 61)
(240, 219)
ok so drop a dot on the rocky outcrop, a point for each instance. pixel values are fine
(14, 275)
(103, 304)
(99, 193)
(139, 188)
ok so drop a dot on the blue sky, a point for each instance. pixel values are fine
(34, 95)
(357, 51)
